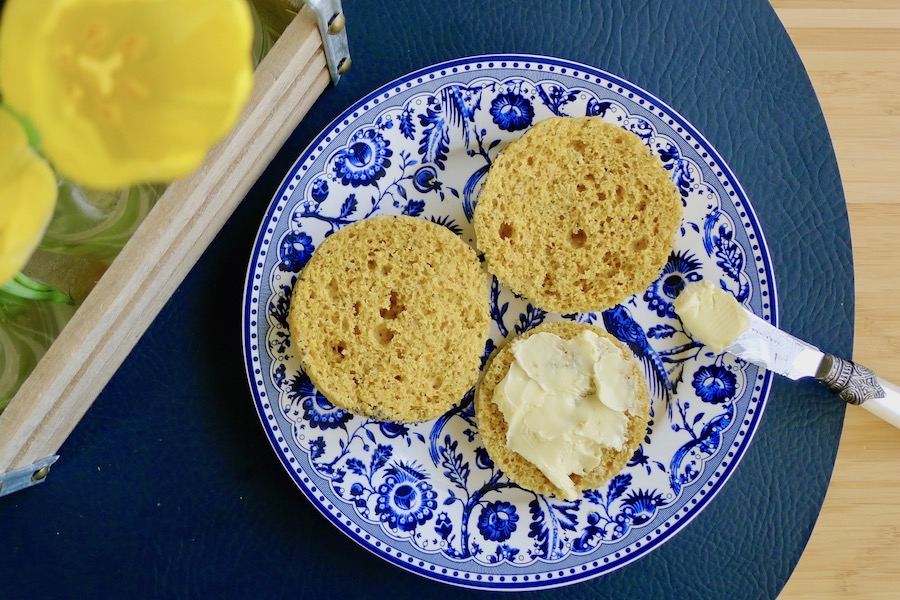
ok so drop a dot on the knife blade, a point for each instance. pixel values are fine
(765, 345)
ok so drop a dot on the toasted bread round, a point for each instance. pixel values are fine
(390, 318)
(493, 428)
(577, 215)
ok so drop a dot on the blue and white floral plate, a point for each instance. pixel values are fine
(427, 497)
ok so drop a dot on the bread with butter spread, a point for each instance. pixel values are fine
(390, 318)
(493, 428)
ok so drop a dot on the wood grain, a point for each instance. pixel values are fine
(161, 252)
(851, 49)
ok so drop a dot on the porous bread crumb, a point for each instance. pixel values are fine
(492, 426)
(577, 215)
(390, 318)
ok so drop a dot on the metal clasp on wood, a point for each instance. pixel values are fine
(13, 481)
(332, 26)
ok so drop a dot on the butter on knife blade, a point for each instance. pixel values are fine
(714, 317)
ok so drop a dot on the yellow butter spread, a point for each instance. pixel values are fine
(564, 403)
(711, 315)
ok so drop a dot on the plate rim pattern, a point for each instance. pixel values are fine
(252, 313)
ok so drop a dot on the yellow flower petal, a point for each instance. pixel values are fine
(27, 197)
(126, 91)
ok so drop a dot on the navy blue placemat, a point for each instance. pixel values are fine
(168, 487)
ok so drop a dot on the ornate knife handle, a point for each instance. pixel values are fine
(858, 385)
(853, 383)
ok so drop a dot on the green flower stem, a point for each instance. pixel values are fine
(32, 315)
(22, 287)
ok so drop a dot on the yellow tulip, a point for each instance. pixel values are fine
(126, 91)
(27, 197)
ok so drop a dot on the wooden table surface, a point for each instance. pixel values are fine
(851, 49)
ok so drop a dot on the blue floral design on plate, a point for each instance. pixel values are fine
(715, 384)
(426, 180)
(426, 496)
(364, 160)
(405, 499)
(498, 521)
(512, 112)
(296, 248)
(319, 191)
(318, 412)
(681, 268)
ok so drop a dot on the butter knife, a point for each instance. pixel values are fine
(771, 348)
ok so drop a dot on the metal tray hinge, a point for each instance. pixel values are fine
(333, 27)
(13, 481)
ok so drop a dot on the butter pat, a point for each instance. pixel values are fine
(711, 315)
(564, 403)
